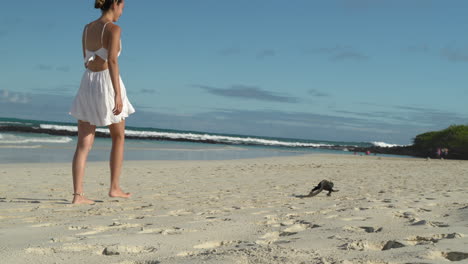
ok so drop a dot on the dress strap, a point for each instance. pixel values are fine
(102, 33)
(85, 35)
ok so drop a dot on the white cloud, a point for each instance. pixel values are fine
(13, 97)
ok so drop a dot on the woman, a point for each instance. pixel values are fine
(101, 99)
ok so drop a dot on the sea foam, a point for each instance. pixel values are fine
(13, 139)
(385, 145)
(196, 137)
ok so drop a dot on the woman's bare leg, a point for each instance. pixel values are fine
(86, 133)
(117, 132)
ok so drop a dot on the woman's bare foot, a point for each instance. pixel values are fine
(80, 199)
(119, 193)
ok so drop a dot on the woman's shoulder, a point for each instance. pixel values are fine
(113, 29)
(91, 23)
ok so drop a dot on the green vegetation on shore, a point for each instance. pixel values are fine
(455, 138)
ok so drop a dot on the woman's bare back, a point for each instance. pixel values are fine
(92, 34)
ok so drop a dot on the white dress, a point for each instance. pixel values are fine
(95, 99)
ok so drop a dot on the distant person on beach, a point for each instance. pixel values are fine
(445, 152)
(438, 153)
(101, 99)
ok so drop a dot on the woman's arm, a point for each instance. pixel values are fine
(83, 44)
(112, 60)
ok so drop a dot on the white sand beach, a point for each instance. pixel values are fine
(387, 210)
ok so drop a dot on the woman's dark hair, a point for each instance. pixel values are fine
(105, 5)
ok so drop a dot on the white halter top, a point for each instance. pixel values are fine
(102, 52)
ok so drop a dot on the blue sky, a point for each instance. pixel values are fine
(344, 70)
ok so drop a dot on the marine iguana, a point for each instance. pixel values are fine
(323, 185)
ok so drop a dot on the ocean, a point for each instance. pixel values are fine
(24, 141)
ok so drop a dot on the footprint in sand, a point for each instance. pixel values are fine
(412, 217)
(292, 216)
(180, 212)
(75, 247)
(172, 231)
(331, 216)
(392, 244)
(113, 226)
(360, 245)
(186, 254)
(65, 239)
(212, 244)
(123, 249)
(77, 227)
(294, 229)
(209, 212)
(213, 219)
(268, 238)
(363, 245)
(96, 230)
(162, 231)
(424, 210)
(44, 225)
(150, 230)
(260, 212)
(288, 223)
(361, 208)
(40, 251)
(455, 256)
(424, 240)
(367, 229)
(417, 222)
(67, 247)
(270, 220)
(354, 218)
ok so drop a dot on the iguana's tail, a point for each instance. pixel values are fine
(313, 193)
